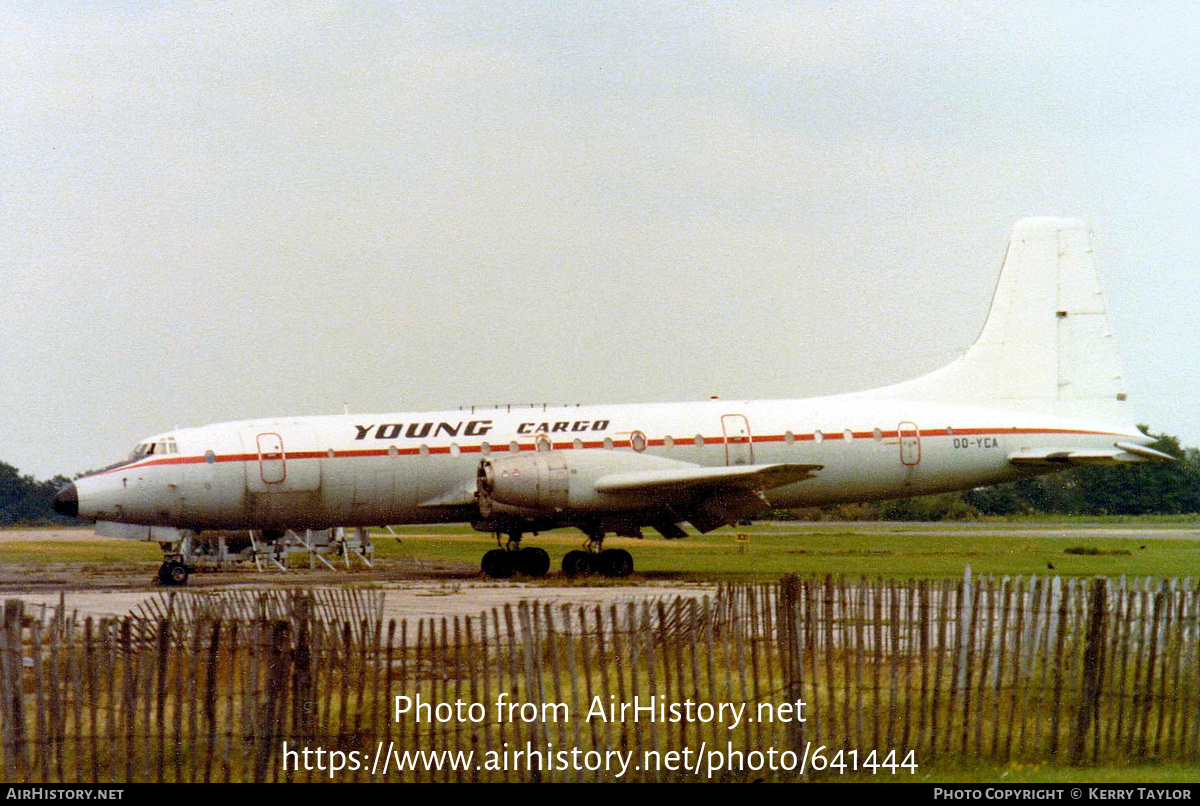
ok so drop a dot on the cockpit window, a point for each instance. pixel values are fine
(144, 449)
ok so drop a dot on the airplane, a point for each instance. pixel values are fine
(1040, 390)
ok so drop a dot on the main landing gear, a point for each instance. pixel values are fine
(510, 559)
(598, 560)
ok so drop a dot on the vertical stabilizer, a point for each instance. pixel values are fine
(1046, 345)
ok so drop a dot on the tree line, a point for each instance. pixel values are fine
(25, 501)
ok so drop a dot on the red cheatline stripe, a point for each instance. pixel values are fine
(679, 442)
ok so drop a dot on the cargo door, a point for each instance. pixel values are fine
(910, 444)
(739, 447)
(282, 459)
(272, 461)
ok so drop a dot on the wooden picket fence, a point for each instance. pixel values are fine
(958, 672)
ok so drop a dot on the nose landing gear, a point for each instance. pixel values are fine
(175, 569)
(173, 572)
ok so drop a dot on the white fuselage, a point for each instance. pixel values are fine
(1040, 389)
(371, 469)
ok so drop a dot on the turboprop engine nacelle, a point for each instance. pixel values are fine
(559, 482)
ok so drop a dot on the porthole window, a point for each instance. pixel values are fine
(577, 444)
(608, 443)
(393, 451)
(454, 449)
(210, 457)
(949, 431)
(877, 435)
(485, 449)
(699, 440)
(789, 437)
(544, 444)
(848, 435)
(330, 453)
(514, 446)
(818, 436)
(424, 450)
(637, 441)
(669, 441)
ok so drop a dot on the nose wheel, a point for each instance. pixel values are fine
(173, 572)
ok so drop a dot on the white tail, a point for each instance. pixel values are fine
(1046, 345)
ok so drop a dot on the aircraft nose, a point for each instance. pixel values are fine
(66, 501)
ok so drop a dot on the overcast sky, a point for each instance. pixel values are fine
(214, 211)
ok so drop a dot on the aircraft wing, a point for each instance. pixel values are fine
(706, 497)
(1121, 453)
(741, 477)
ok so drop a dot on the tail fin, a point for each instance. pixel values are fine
(1046, 345)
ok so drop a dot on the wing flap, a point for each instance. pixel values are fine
(742, 477)
(708, 497)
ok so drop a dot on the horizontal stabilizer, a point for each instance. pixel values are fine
(1121, 454)
(742, 477)
(1142, 450)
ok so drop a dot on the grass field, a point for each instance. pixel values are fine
(877, 549)
(86, 548)
(901, 550)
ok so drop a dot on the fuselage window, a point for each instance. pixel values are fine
(485, 449)
(210, 457)
(668, 441)
(637, 441)
(848, 435)
(608, 443)
(818, 436)
(877, 435)
(544, 444)
(577, 444)
(424, 450)
(393, 451)
(789, 437)
(699, 440)
(332, 453)
(514, 446)
(454, 449)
